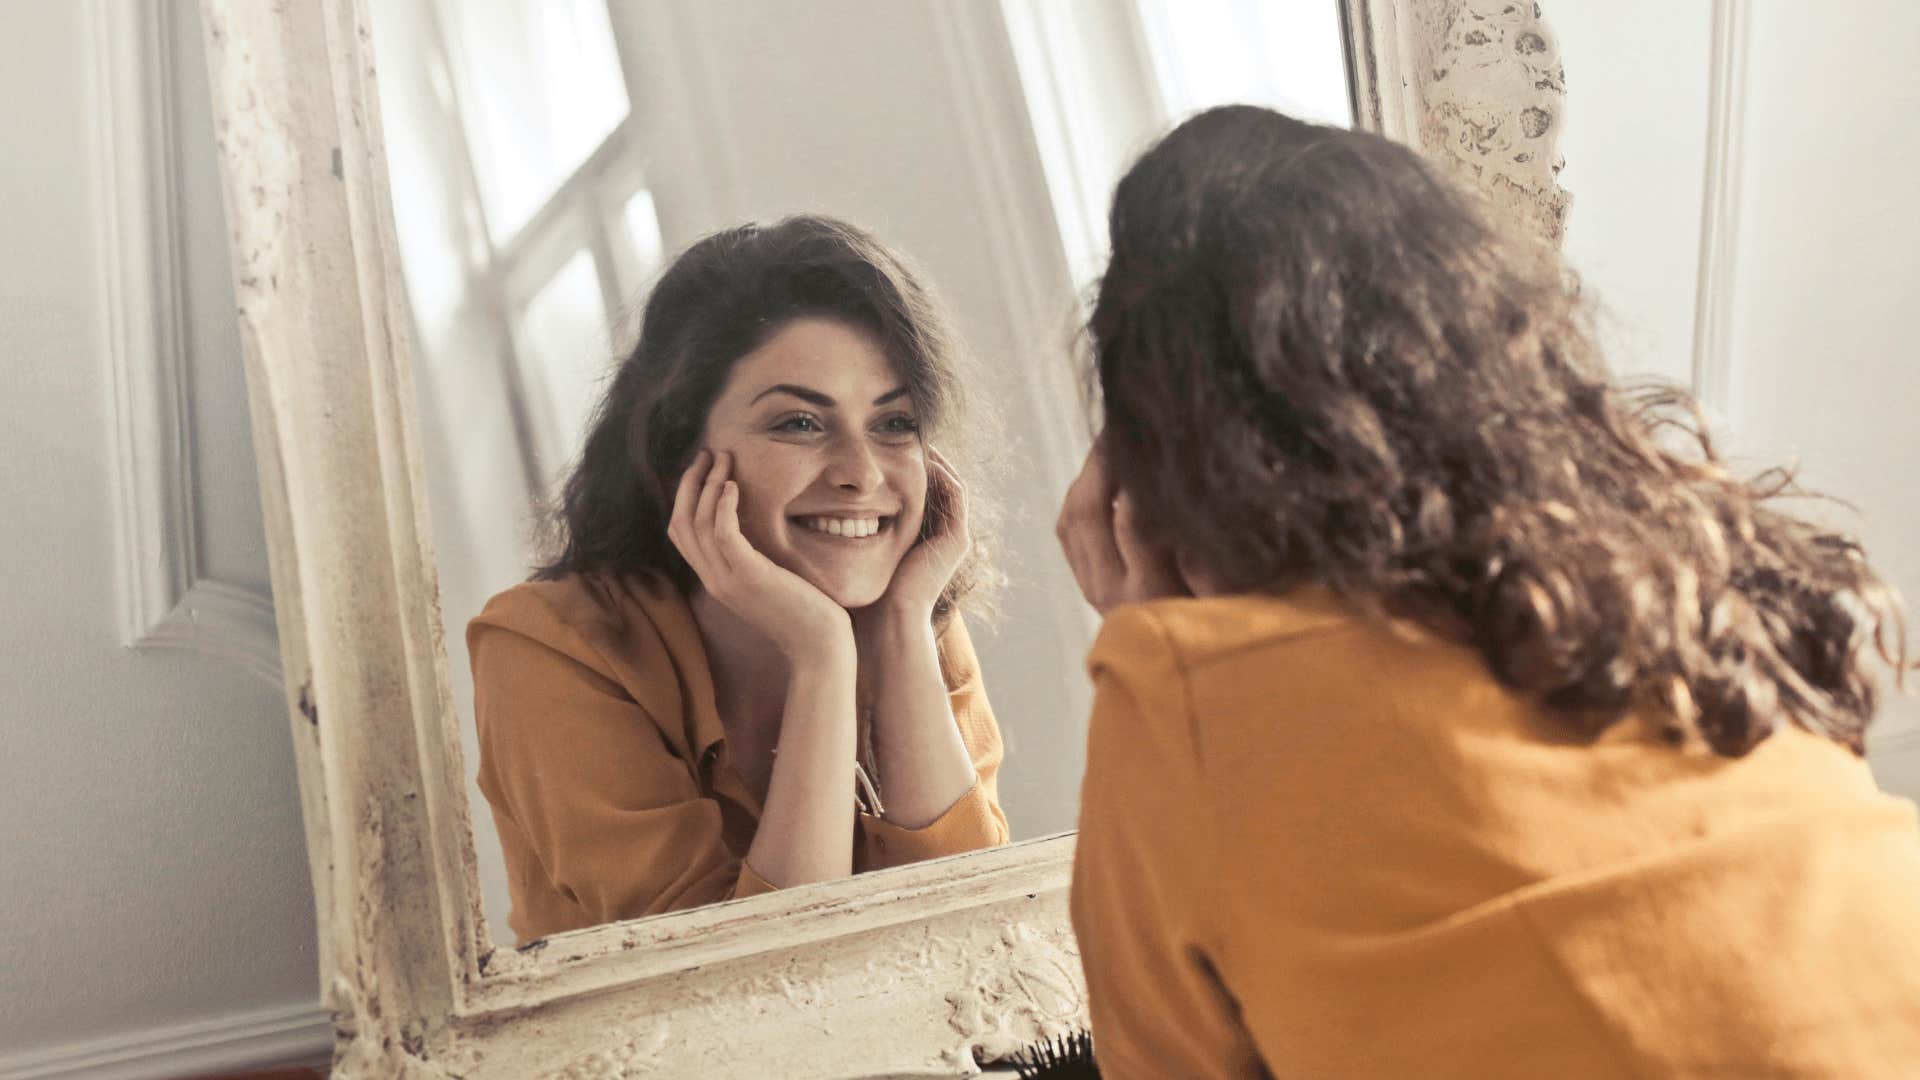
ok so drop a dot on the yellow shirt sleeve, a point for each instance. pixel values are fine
(1145, 873)
(599, 818)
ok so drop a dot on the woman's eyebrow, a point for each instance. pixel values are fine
(811, 397)
(815, 397)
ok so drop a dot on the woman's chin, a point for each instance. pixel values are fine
(850, 591)
(853, 596)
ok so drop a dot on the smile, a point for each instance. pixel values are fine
(846, 528)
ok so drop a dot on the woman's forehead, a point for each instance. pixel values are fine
(828, 356)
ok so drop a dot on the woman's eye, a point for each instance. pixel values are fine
(799, 425)
(900, 425)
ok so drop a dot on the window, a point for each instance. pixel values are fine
(524, 219)
(1102, 79)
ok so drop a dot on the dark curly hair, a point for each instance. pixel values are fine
(1330, 365)
(719, 300)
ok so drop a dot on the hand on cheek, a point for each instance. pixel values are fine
(790, 611)
(942, 543)
(1112, 561)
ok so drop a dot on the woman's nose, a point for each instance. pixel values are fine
(852, 466)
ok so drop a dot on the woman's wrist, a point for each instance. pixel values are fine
(888, 634)
(891, 616)
(825, 648)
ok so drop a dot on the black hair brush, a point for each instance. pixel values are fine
(1063, 1057)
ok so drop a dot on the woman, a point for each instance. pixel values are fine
(753, 616)
(1449, 720)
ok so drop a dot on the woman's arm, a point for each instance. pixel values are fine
(808, 814)
(923, 764)
(805, 826)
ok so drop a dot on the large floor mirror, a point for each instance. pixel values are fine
(447, 219)
(547, 159)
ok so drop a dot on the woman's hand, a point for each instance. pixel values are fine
(790, 611)
(1111, 561)
(931, 562)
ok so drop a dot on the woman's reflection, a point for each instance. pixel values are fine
(745, 669)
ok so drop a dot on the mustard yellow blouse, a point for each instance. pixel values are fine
(606, 765)
(1319, 846)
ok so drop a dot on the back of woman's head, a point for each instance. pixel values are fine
(1330, 365)
(723, 297)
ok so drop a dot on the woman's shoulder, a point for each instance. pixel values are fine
(1191, 632)
(1249, 665)
(589, 607)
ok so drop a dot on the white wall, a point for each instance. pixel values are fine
(155, 913)
(1823, 367)
(153, 904)
(1818, 266)
(1635, 144)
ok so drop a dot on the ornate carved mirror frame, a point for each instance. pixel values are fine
(912, 972)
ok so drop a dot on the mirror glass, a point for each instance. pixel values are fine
(548, 161)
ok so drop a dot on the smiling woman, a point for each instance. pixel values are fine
(757, 681)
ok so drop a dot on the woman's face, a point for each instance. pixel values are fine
(827, 454)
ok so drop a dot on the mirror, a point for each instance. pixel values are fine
(926, 969)
(549, 158)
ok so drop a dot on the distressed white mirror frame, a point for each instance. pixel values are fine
(908, 973)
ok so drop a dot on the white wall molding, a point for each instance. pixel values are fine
(1720, 210)
(166, 601)
(284, 1035)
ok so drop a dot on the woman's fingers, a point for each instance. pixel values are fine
(1085, 531)
(729, 542)
(1112, 559)
(1150, 571)
(710, 492)
(686, 498)
(947, 497)
(705, 511)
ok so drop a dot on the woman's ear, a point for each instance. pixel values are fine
(1199, 581)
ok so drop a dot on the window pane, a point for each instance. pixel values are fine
(562, 339)
(1287, 56)
(643, 232)
(540, 88)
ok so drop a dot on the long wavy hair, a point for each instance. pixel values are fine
(720, 299)
(1330, 365)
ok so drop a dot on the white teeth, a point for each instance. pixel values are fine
(853, 528)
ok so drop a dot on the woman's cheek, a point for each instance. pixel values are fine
(765, 479)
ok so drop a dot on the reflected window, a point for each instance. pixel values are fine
(1286, 56)
(562, 336)
(540, 89)
(1103, 78)
(521, 202)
